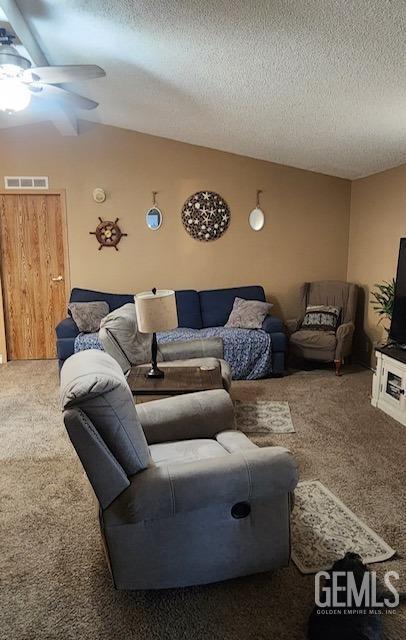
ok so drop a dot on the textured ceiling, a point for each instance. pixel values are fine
(318, 84)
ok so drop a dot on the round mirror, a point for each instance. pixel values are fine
(256, 219)
(154, 218)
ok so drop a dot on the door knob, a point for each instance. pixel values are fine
(57, 279)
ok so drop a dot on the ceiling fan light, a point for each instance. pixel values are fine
(14, 96)
(10, 70)
(10, 55)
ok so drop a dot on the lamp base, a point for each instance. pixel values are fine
(154, 372)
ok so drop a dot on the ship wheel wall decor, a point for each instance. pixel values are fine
(206, 215)
(108, 233)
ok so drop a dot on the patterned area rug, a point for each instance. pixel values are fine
(324, 529)
(263, 416)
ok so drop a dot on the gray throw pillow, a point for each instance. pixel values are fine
(321, 318)
(248, 314)
(88, 315)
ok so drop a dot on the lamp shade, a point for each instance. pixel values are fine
(156, 311)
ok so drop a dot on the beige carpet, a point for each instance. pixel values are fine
(54, 582)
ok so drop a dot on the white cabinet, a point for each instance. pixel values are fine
(389, 384)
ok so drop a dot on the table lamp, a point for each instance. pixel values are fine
(156, 311)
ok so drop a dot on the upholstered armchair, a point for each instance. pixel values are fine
(184, 497)
(121, 339)
(325, 346)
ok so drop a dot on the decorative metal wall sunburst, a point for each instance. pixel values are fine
(108, 233)
(206, 215)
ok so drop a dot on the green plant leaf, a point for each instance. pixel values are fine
(382, 299)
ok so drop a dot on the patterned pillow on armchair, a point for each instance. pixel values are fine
(321, 318)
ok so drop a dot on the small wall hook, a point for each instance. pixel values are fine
(154, 193)
(258, 194)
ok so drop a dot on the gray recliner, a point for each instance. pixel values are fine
(121, 339)
(184, 498)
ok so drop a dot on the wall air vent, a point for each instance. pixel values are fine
(26, 182)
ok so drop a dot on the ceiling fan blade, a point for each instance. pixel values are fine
(67, 97)
(67, 73)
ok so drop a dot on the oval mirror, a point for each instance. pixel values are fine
(256, 219)
(154, 218)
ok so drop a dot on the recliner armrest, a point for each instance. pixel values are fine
(193, 415)
(67, 328)
(105, 474)
(188, 349)
(164, 491)
(271, 324)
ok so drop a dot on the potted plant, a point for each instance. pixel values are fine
(382, 300)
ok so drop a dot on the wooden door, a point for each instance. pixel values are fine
(32, 262)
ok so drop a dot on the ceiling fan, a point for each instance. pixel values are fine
(19, 80)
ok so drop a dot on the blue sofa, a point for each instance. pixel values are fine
(196, 310)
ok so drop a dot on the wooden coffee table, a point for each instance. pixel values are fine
(177, 380)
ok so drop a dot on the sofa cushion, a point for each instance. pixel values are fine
(114, 300)
(216, 304)
(320, 340)
(188, 306)
(187, 301)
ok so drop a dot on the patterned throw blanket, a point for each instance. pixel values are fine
(247, 351)
(85, 341)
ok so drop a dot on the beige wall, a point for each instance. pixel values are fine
(378, 221)
(307, 214)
